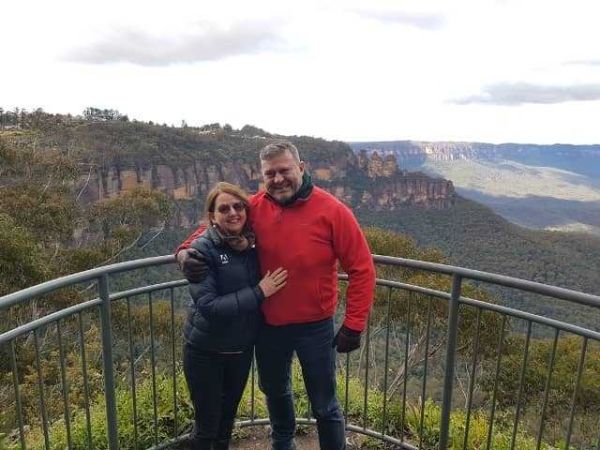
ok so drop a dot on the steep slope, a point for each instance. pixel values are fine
(473, 236)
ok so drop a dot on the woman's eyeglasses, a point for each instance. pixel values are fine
(238, 207)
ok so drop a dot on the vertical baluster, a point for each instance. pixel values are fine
(472, 380)
(174, 371)
(521, 383)
(367, 359)
(425, 368)
(453, 310)
(252, 385)
(598, 428)
(86, 389)
(575, 391)
(406, 350)
(386, 363)
(132, 375)
(42, 399)
(65, 387)
(13, 362)
(495, 393)
(153, 368)
(347, 383)
(308, 406)
(107, 364)
(547, 389)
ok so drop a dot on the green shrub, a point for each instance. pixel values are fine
(428, 437)
(4, 445)
(145, 417)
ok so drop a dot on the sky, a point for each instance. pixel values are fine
(494, 71)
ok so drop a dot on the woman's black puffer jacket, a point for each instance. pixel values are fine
(225, 315)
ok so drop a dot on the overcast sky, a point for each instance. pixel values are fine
(472, 70)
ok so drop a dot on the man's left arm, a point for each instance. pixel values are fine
(190, 261)
(352, 250)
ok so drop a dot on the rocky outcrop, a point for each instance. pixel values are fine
(414, 189)
(377, 166)
(404, 191)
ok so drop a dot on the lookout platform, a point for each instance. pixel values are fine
(425, 356)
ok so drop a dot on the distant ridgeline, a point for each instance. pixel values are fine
(117, 156)
(548, 187)
(412, 155)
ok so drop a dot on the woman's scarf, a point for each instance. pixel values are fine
(245, 240)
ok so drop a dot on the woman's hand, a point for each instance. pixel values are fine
(273, 282)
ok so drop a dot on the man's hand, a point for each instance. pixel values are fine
(346, 340)
(192, 264)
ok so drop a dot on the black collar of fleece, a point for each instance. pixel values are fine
(301, 194)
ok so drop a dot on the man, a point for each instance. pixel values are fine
(305, 230)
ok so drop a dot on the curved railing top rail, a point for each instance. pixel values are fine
(530, 286)
(81, 277)
(80, 307)
(502, 280)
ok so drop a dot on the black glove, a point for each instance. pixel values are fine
(346, 340)
(192, 264)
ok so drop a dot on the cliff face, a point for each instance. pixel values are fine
(363, 181)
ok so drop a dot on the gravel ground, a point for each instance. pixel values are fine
(261, 442)
(257, 438)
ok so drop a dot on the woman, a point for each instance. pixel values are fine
(223, 323)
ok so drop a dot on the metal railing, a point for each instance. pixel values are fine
(420, 334)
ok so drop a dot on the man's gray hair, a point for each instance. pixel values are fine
(278, 148)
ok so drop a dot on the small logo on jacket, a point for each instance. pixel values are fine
(224, 259)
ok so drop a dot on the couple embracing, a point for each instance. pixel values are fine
(286, 304)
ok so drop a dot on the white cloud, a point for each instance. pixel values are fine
(585, 62)
(514, 94)
(427, 21)
(200, 42)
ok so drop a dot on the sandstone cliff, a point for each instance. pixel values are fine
(363, 181)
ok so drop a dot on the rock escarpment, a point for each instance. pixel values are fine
(363, 181)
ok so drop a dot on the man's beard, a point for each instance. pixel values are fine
(282, 194)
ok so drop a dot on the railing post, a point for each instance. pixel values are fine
(450, 360)
(107, 359)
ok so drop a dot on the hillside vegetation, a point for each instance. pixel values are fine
(116, 141)
(146, 345)
(471, 235)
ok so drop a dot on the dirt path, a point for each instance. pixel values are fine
(258, 439)
(261, 442)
